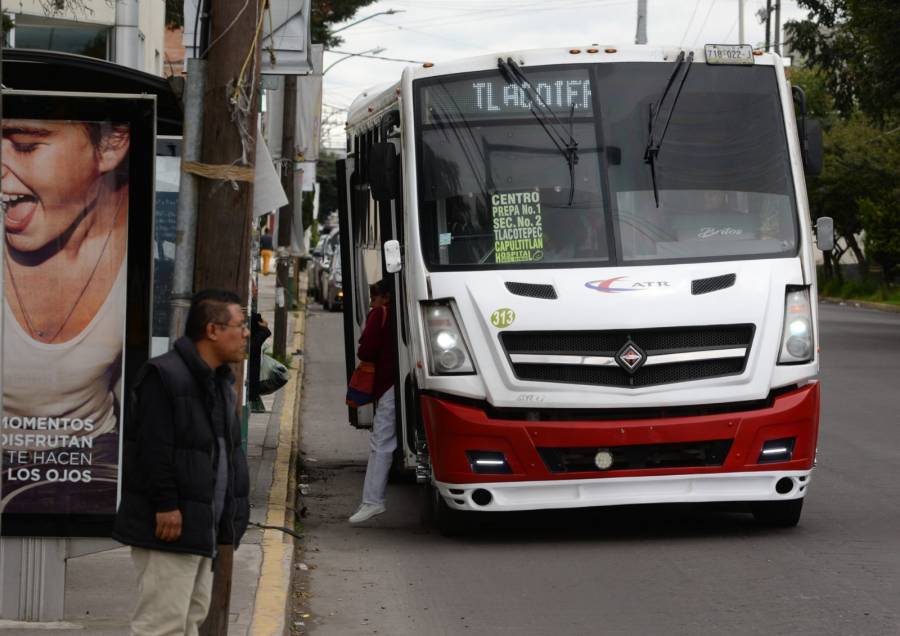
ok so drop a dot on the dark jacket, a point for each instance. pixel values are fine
(376, 345)
(171, 455)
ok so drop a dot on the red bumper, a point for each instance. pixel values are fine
(453, 429)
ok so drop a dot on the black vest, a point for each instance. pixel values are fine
(185, 453)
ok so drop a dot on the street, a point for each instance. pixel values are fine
(654, 570)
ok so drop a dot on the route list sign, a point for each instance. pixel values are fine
(518, 228)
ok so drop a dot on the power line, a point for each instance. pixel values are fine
(690, 23)
(705, 19)
(375, 57)
(731, 30)
(503, 13)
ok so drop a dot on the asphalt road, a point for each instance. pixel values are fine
(653, 570)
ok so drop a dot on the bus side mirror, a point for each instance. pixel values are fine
(813, 153)
(825, 233)
(383, 168)
(393, 262)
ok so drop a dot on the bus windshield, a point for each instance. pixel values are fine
(496, 190)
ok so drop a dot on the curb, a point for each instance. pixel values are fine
(270, 606)
(860, 303)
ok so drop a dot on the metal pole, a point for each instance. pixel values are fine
(740, 21)
(641, 36)
(768, 22)
(2, 313)
(778, 27)
(374, 15)
(186, 222)
(374, 51)
(285, 216)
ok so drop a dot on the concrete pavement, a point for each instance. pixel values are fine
(101, 588)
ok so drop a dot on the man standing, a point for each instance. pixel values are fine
(186, 483)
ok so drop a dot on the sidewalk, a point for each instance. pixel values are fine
(101, 588)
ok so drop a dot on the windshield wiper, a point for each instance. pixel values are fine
(563, 139)
(653, 145)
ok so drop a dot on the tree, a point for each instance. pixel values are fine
(326, 173)
(862, 164)
(174, 13)
(882, 225)
(328, 12)
(854, 44)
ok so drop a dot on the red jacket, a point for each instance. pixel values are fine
(376, 345)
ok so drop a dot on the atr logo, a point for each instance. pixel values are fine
(606, 286)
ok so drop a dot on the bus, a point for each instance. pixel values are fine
(603, 262)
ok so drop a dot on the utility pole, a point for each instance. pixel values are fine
(768, 23)
(641, 36)
(740, 21)
(778, 27)
(225, 208)
(186, 219)
(285, 217)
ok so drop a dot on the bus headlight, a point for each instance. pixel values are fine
(797, 342)
(448, 353)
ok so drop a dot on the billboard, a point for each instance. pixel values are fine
(77, 187)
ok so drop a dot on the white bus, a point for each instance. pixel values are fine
(603, 263)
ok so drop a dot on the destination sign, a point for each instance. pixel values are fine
(492, 97)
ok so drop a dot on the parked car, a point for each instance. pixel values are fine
(321, 261)
(333, 291)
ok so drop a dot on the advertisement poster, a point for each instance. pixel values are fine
(66, 202)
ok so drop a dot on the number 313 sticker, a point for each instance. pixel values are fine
(503, 317)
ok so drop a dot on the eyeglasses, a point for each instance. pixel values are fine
(244, 324)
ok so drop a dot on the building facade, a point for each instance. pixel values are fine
(127, 32)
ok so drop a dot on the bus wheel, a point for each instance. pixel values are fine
(435, 511)
(782, 514)
(426, 505)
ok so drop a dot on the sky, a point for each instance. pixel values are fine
(440, 30)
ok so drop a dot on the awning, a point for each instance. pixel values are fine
(34, 70)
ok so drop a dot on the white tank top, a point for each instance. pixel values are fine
(79, 379)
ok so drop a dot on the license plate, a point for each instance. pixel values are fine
(729, 54)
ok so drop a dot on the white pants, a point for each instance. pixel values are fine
(174, 592)
(382, 443)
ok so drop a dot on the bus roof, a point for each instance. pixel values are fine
(381, 97)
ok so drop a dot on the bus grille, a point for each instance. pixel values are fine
(702, 341)
(645, 456)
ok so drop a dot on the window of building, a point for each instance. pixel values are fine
(82, 39)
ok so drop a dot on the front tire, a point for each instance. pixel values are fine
(779, 514)
(436, 512)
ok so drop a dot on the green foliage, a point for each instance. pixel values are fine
(862, 164)
(7, 23)
(858, 164)
(882, 223)
(326, 173)
(854, 43)
(309, 202)
(174, 13)
(819, 103)
(868, 290)
(328, 12)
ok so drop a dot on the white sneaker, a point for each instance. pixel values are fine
(366, 511)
